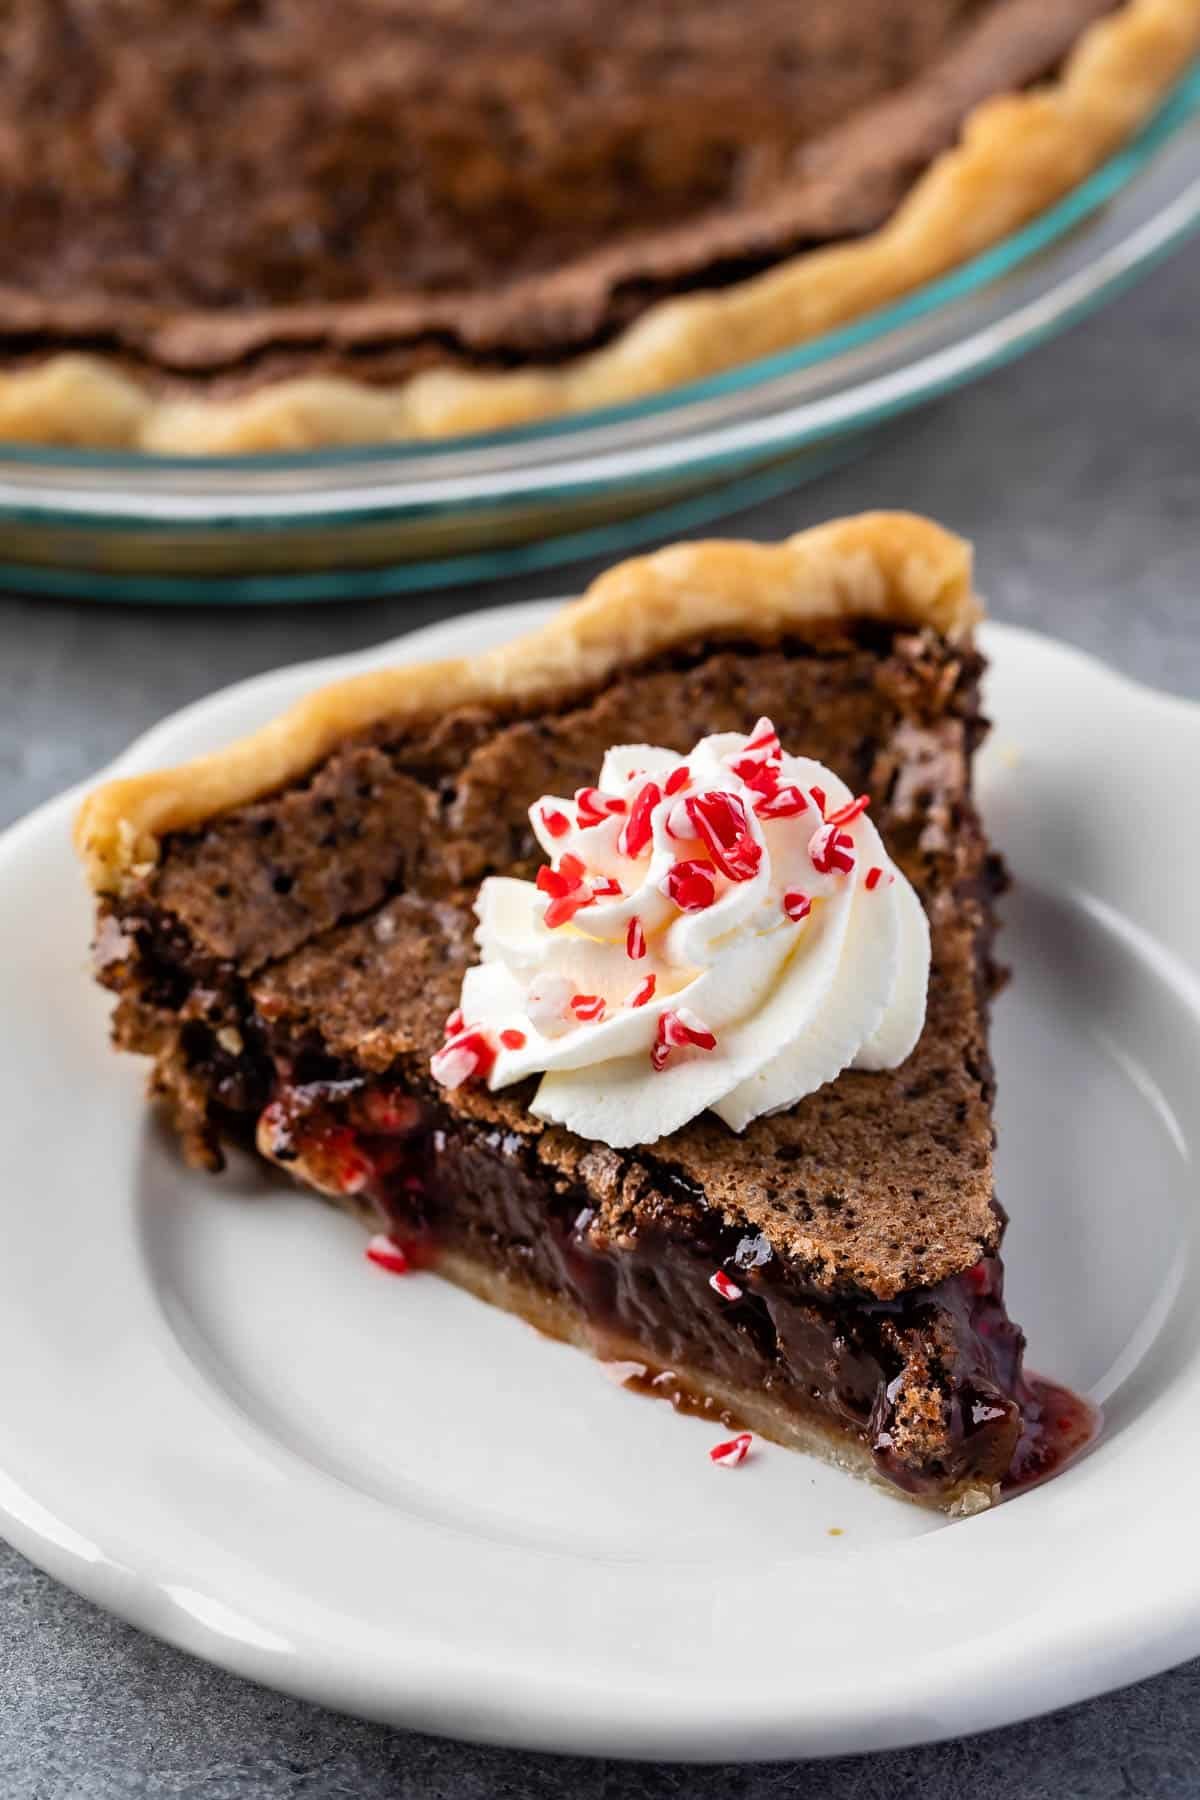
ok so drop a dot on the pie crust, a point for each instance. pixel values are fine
(890, 566)
(1019, 152)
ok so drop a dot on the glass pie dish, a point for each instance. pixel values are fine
(351, 523)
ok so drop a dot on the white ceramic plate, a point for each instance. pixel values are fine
(217, 1419)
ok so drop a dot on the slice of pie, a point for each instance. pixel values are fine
(709, 1093)
(266, 226)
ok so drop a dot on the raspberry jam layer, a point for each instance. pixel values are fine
(931, 1383)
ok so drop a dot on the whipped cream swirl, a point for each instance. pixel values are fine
(720, 931)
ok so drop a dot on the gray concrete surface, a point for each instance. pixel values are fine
(1077, 473)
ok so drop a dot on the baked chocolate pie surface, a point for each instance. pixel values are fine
(439, 218)
(286, 926)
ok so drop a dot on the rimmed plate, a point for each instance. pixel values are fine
(353, 523)
(221, 1422)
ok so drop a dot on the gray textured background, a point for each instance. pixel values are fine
(1077, 473)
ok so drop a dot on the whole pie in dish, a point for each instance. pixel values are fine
(715, 824)
(249, 227)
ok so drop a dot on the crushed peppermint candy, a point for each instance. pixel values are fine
(758, 763)
(853, 809)
(732, 1453)
(722, 824)
(695, 875)
(592, 807)
(720, 1283)
(690, 885)
(568, 892)
(786, 802)
(680, 1029)
(635, 833)
(587, 1007)
(831, 851)
(387, 1254)
(796, 905)
(467, 1057)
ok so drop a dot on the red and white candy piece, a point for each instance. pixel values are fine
(872, 879)
(758, 762)
(720, 1283)
(678, 778)
(588, 1008)
(690, 885)
(643, 992)
(787, 802)
(853, 809)
(831, 851)
(467, 1057)
(723, 825)
(592, 807)
(635, 940)
(796, 905)
(732, 1453)
(387, 1254)
(679, 1029)
(556, 822)
(568, 891)
(637, 830)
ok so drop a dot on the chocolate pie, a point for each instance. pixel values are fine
(233, 226)
(287, 925)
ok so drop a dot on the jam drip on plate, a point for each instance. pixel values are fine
(931, 1382)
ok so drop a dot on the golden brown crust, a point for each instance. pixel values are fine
(891, 566)
(1018, 154)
